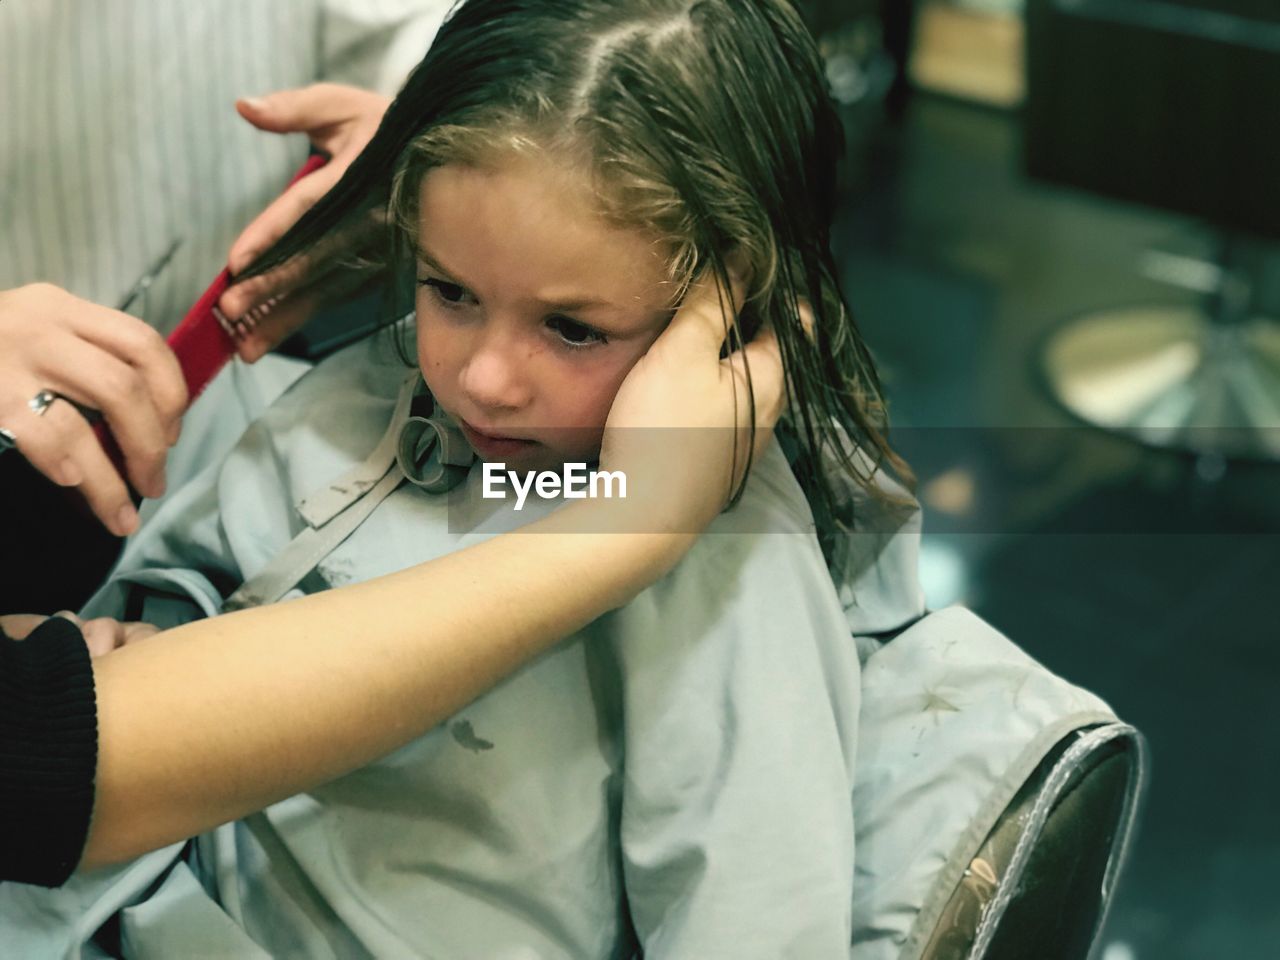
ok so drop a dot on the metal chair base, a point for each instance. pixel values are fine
(1172, 377)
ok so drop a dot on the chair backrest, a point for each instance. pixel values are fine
(1042, 881)
(1170, 103)
(993, 801)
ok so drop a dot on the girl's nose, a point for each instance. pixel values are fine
(493, 379)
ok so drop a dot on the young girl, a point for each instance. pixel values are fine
(675, 781)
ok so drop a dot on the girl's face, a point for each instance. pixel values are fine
(530, 308)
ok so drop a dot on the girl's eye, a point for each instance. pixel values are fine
(574, 334)
(448, 293)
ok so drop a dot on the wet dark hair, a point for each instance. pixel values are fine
(705, 121)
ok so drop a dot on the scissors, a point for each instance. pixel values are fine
(148, 277)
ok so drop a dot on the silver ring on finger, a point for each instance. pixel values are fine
(7, 440)
(42, 401)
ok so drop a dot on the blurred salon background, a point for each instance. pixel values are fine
(1059, 233)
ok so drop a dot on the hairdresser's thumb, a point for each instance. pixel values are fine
(313, 109)
(256, 110)
(276, 112)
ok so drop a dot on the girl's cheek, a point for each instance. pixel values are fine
(596, 399)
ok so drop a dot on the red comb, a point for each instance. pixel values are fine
(200, 342)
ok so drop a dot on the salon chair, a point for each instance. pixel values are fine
(1172, 104)
(1042, 880)
(994, 802)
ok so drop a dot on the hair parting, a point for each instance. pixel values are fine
(705, 122)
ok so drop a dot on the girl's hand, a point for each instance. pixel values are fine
(679, 427)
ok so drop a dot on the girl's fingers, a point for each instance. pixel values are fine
(702, 320)
(768, 382)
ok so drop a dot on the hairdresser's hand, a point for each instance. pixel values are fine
(339, 120)
(101, 359)
(101, 635)
(17, 626)
(679, 427)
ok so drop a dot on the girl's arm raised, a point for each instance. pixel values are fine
(212, 720)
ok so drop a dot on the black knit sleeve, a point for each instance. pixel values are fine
(48, 753)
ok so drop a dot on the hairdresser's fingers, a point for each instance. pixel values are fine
(273, 322)
(136, 630)
(123, 394)
(281, 214)
(242, 298)
(87, 467)
(102, 487)
(144, 350)
(16, 626)
(320, 110)
(90, 357)
(102, 635)
(63, 342)
(352, 247)
(61, 445)
(67, 451)
(277, 319)
(351, 250)
(278, 303)
(339, 120)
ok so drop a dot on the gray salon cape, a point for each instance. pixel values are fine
(677, 777)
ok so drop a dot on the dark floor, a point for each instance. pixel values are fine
(1122, 568)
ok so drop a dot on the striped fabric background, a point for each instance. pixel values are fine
(118, 132)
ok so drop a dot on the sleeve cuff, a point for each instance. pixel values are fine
(48, 753)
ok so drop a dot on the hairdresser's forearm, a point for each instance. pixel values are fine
(213, 720)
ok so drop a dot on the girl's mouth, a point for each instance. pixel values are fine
(493, 446)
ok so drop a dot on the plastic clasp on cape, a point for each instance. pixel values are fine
(431, 451)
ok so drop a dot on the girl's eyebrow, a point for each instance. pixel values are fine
(431, 261)
(571, 304)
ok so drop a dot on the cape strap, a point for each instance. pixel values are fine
(426, 450)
